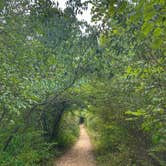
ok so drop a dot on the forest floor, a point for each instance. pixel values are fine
(81, 154)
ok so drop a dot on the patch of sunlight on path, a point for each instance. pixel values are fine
(80, 154)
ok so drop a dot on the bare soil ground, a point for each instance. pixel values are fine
(80, 154)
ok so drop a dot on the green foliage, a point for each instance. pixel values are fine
(130, 105)
(43, 53)
(68, 130)
(34, 152)
(113, 73)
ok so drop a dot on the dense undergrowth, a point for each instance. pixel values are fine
(68, 130)
(31, 149)
(119, 137)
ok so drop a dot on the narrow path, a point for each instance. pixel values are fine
(80, 154)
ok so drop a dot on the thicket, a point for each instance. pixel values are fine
(128, 120)
(112, 73)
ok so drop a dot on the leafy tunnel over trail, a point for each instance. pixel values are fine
(54, 68)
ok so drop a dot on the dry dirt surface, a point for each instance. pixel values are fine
(80, 154)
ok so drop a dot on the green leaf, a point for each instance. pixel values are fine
(136, 113)
(147, 28)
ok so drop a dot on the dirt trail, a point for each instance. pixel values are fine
(80, 154)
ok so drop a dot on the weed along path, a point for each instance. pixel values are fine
(80, 154)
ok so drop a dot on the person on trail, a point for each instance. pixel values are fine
(81, 121)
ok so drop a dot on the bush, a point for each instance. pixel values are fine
(68, 130)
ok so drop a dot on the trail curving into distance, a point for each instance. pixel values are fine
(80, 154)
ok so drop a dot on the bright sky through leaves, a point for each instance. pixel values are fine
(85, 16)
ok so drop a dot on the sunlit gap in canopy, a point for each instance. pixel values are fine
(85, 16)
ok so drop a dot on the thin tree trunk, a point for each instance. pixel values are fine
(10, 138)
(57, 122)
(2, 116)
